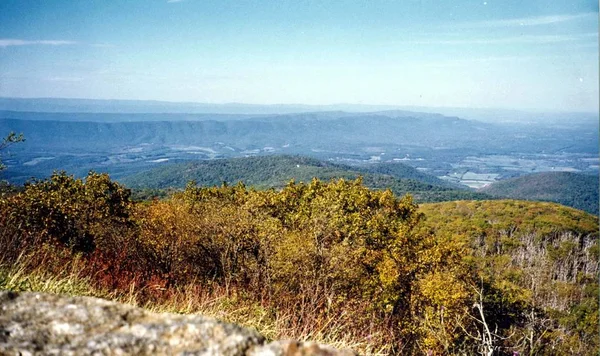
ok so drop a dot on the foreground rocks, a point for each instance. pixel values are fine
(47, 324)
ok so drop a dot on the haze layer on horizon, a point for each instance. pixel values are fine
(498, 54)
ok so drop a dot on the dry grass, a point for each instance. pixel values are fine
(23, 276)
(214, 301)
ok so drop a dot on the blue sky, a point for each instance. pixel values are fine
(496, 54)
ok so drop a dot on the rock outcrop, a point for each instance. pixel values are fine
(47, 324)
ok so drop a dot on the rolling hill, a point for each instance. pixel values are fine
(579, 191)
(276, 171)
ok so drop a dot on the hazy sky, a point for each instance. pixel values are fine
(494, 53)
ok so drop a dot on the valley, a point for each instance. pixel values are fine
(467, 152)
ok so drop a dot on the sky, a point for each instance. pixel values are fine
(540, 55)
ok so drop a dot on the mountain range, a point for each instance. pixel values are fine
(63, 105)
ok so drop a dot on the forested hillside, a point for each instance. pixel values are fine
(539, 258)
(335, 261)
(276, 171)
(579, 191)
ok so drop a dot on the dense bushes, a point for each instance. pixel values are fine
(67, 211)
(317, 248)
(319, 252)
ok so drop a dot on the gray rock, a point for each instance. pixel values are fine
(47, 324)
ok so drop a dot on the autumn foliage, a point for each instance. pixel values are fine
(409, 282)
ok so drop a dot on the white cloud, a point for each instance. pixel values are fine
(532, 39)
(7, 42)
(488, 60)
(528, 21)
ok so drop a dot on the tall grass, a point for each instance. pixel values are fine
(226, 304)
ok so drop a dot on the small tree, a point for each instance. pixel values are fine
(10, 139)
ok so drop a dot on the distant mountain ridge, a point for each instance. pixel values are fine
(579, 191)
(65, 105)
(332, 131)
(110, 117)
(301, 129)
(100, 117)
